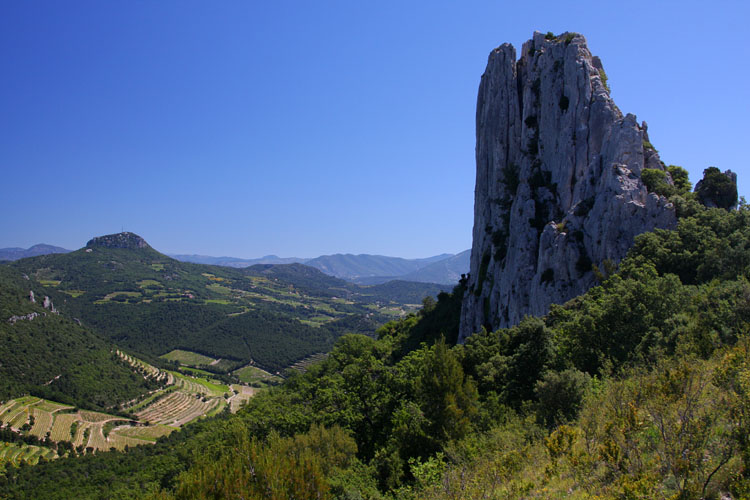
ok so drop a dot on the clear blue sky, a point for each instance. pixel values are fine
(304, 128)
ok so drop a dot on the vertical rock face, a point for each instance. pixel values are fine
(558, 185)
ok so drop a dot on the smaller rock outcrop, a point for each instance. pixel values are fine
(717, 189)
(26, 317)
(118, 240)
(47, 304)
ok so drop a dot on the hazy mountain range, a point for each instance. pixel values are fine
(16, 253)
(365, 269)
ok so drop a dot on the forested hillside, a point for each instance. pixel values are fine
(271, 315)
(51, 356)
(636, 389)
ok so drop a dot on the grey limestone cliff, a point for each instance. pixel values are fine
(558, 183)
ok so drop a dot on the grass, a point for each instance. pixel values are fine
(119, 442)
(157, 267)
(218, 389)
(218, 301)
(198, 372)
(149, 283)
(52, 283)
(250, 374)
(74, 293)
(312, 322)
(221, 289)
(188, 358)
(112, 295)
(147, 433)
(51, 406)
(95, 416)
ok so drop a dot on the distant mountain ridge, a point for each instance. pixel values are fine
(236, 261)
(16, 253)
(348, 266)
(364, 269)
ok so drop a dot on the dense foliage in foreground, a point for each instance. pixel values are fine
(638, 389)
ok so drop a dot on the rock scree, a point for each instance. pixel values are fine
(558, 181)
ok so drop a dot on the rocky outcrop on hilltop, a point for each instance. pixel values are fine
(558, 183)
(119, 240)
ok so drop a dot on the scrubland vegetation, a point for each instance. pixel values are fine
(638, 389)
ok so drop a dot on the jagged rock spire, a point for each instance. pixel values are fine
(558, 183)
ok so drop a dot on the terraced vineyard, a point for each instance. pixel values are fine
(15, 453)
(303, 364)
(189, 358)
(185, 398)
(256, 377)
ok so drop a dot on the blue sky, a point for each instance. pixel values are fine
(308, 128)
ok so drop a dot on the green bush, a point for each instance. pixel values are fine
(560, 395)
(717, 189)
(680, 179)
(656, 182)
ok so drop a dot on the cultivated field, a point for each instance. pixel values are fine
(256, 377)
(184, 398)
(188, 358)
(16, 453)
(302, 365)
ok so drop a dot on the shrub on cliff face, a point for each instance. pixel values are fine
(680, 178)
(656, 182)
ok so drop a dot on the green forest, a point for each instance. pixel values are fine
(638, 389)
(271, 315)
(53, 357)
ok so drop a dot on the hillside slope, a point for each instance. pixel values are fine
(50, 355)
(273, 315)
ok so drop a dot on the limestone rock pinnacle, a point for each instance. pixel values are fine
(558, 181)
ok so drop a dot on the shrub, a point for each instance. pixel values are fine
(560, 395)
(680, 178)
(604, 78)
(656, 182)
(717, 189)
